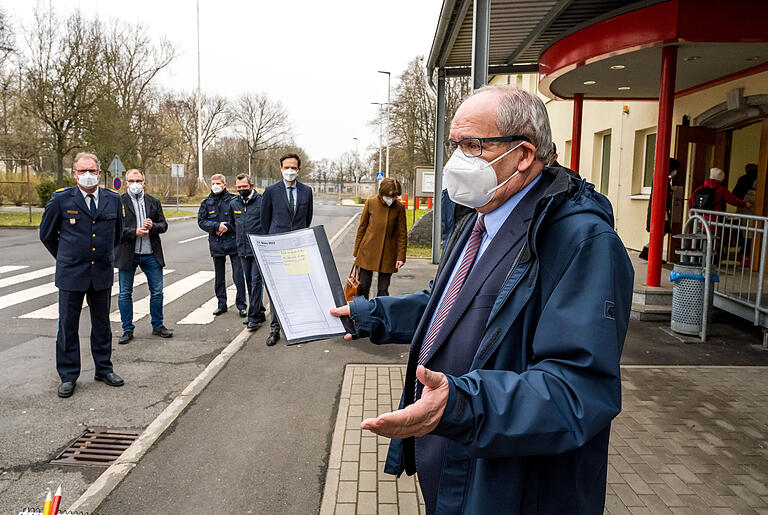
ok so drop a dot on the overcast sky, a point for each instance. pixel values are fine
(319, 58)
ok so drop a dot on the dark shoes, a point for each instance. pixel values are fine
(162, 331)
(111, 379)
(243, 313)
(274, 336)
(66, 389)
(253, 326)
(219, 311)
(125, 338)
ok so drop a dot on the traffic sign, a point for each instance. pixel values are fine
(117, 183)
(116, 166)
(177, 170)
(379, 176)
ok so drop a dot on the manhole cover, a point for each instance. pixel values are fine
(98, 446)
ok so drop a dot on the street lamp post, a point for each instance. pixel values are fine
(199, 105)
(389, 76)
(380, 148)
(357, 162)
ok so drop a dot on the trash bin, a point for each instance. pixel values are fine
(688, 298)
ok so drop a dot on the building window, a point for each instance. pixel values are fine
(605, 163)
(649, 158)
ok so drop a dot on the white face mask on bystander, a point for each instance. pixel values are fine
(387, 200)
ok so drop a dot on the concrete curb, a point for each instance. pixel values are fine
(103, 486)
(92, 498)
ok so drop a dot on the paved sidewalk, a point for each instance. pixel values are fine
(689, 440)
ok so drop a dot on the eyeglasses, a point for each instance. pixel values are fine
(86, 171)
(473, 147)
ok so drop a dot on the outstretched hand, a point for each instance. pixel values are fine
(340, 312)
(419, 418)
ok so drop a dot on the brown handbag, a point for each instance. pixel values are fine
(353, 281)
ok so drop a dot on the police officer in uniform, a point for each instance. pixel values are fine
(245, 217)
(213, 218)
(80, 227)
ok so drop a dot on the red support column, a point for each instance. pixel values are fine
(578, 109)
(660, 168)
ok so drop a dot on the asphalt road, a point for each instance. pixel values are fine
(35, 424)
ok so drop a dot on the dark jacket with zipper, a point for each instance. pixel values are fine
(245, 217)
(127, 247)
(214, 209)
(527, 421)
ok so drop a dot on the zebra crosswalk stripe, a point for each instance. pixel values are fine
(12, 268)
(35, 274)
(204, 314)
(170, 293)
(51, 312)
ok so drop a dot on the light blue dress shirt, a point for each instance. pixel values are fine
(493, 222)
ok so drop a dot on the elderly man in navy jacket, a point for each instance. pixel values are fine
(285, 206)
(80, 227)
(245, 217)
(513, 376)
(213, 218)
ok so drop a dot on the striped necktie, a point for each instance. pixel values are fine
(452, 293)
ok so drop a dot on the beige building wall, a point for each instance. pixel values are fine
(628, 124)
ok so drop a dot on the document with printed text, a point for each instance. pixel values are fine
(300, 274)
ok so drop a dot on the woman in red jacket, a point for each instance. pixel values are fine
(713, 194)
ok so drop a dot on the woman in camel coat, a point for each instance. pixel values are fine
(381, 238)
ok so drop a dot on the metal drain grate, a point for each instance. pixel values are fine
(98, 446)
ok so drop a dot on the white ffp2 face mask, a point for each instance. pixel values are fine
(88, 180)
(387, 200)
(216, 189)
(290, 174)
(136, 188)
(471, 181)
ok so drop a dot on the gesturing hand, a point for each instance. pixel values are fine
(340, 312)
(419, 418)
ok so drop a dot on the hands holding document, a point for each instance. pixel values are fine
(417, 419)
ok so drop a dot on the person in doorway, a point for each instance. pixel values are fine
(746, 182)
(213, 218)
(672, 169)
(143, 223)
(382, 238)
(285, 206)
(713, 195)
(245, 217)
(513, 377)
(80, 227)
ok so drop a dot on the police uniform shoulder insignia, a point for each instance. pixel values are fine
(123, 210)
(60, 190)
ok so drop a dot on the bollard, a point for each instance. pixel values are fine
(405, 200)
(429, 202)
(415, 203)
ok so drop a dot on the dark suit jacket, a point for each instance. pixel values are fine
(83, 246)
(276, 215)
(125, 249)
(456, 343)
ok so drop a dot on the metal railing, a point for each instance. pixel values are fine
(738, 256)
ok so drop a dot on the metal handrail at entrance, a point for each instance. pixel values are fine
(738, 256)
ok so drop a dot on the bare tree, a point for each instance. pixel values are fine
(216, 117)
(7, 40)
(262, 123)
(61, 78)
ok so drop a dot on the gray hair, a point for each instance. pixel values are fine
(136, 170)
(523, 114)
(86, 155)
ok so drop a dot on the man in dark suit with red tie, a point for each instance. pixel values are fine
(80, 227)
(285, 206)
(513, 375)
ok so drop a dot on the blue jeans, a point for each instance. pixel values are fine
(154, 273)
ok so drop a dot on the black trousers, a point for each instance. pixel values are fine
(220, 282)
(366, 278)
(255, 289)
(68, 338)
